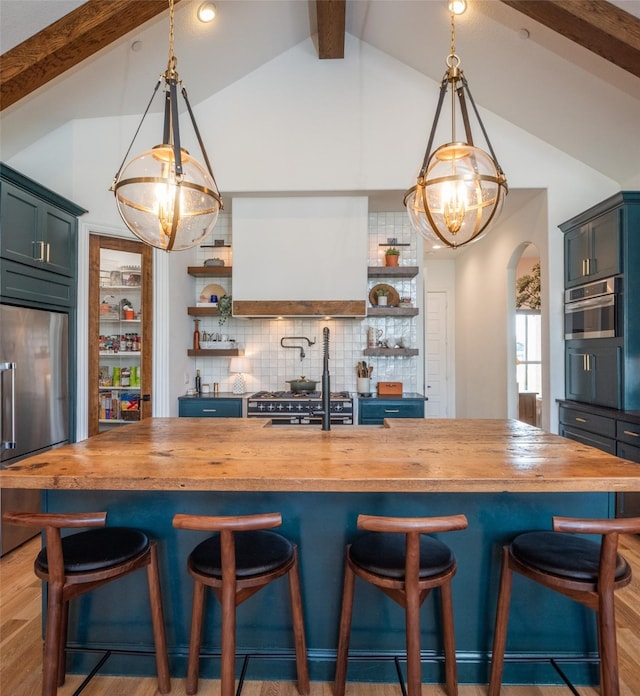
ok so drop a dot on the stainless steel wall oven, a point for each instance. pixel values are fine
(591, 310)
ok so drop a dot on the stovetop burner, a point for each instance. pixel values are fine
(298, 395)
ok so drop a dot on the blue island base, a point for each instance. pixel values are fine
(542, 623)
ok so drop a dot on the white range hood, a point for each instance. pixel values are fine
(300, 256)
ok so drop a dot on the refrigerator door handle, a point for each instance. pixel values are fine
(10, 444)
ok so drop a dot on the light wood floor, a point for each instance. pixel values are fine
(21, 646)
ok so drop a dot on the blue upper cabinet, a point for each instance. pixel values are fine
(38, 243)
(593, 249)
(38, 227)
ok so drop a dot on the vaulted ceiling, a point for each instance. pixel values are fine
(564, 70)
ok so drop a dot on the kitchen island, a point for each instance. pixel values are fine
(504, 475)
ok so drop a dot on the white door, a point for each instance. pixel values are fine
(436, 367)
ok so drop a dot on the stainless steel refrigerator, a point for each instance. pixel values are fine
(34, 399)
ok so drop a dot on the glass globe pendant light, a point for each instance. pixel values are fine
(164, 196)
(460, 188)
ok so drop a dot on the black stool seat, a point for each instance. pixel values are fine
(564, 555)
(97, 549)
(257, 553)
(384, 554)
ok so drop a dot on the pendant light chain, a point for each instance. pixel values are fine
(453, 63)
(452, 50)
(172, 63)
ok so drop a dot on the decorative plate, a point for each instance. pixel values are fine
(212, 289)
(393, 299)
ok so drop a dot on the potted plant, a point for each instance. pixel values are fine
(391, 256)
(225, 306)
(381, 294)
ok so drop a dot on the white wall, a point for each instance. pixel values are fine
(300, 124)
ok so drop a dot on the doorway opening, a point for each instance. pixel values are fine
(528, 329)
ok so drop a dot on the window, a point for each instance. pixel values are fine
(528, 351)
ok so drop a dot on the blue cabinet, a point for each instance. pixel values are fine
(592, 250)
(594, 371)
(601, 242)
(613, 431)
(38, 242)
(209, 407)
(373, 410)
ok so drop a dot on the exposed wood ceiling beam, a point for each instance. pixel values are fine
(596, 25)
(331, 24)
(67, 42)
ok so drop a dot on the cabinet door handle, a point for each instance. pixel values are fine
(40, 251)
(630, 432)
(392, 410)
(48, 248)
(209, 410)
(581, 420)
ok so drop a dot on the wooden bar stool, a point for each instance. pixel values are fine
(405, 564)
(240, 559)
(586, 571)
(81, 562)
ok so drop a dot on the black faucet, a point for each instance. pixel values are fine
(326, 383)
(325, 411)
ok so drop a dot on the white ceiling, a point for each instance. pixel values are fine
(545, 84)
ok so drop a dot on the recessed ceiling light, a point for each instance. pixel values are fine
(207, 12)
(457, 7)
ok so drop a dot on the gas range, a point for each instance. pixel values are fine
(299, 408)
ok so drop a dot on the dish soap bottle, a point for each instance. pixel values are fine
(198, 383)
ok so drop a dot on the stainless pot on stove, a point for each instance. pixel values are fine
(302, 385)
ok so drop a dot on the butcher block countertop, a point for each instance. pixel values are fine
(409, 455)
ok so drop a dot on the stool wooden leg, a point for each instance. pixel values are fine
(53, 637)
(502, 620)
(302, 667)
(157, 617)
(228, 667)
(345, 629)
(62, 645)
(412, 622)
(195, 639)
(609, 680)
(448, 631)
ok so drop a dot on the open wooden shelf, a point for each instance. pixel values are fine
(393, 271)
(203, 311)
(388, 352)
(392, 312)
(209, 271)
(215, 352)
